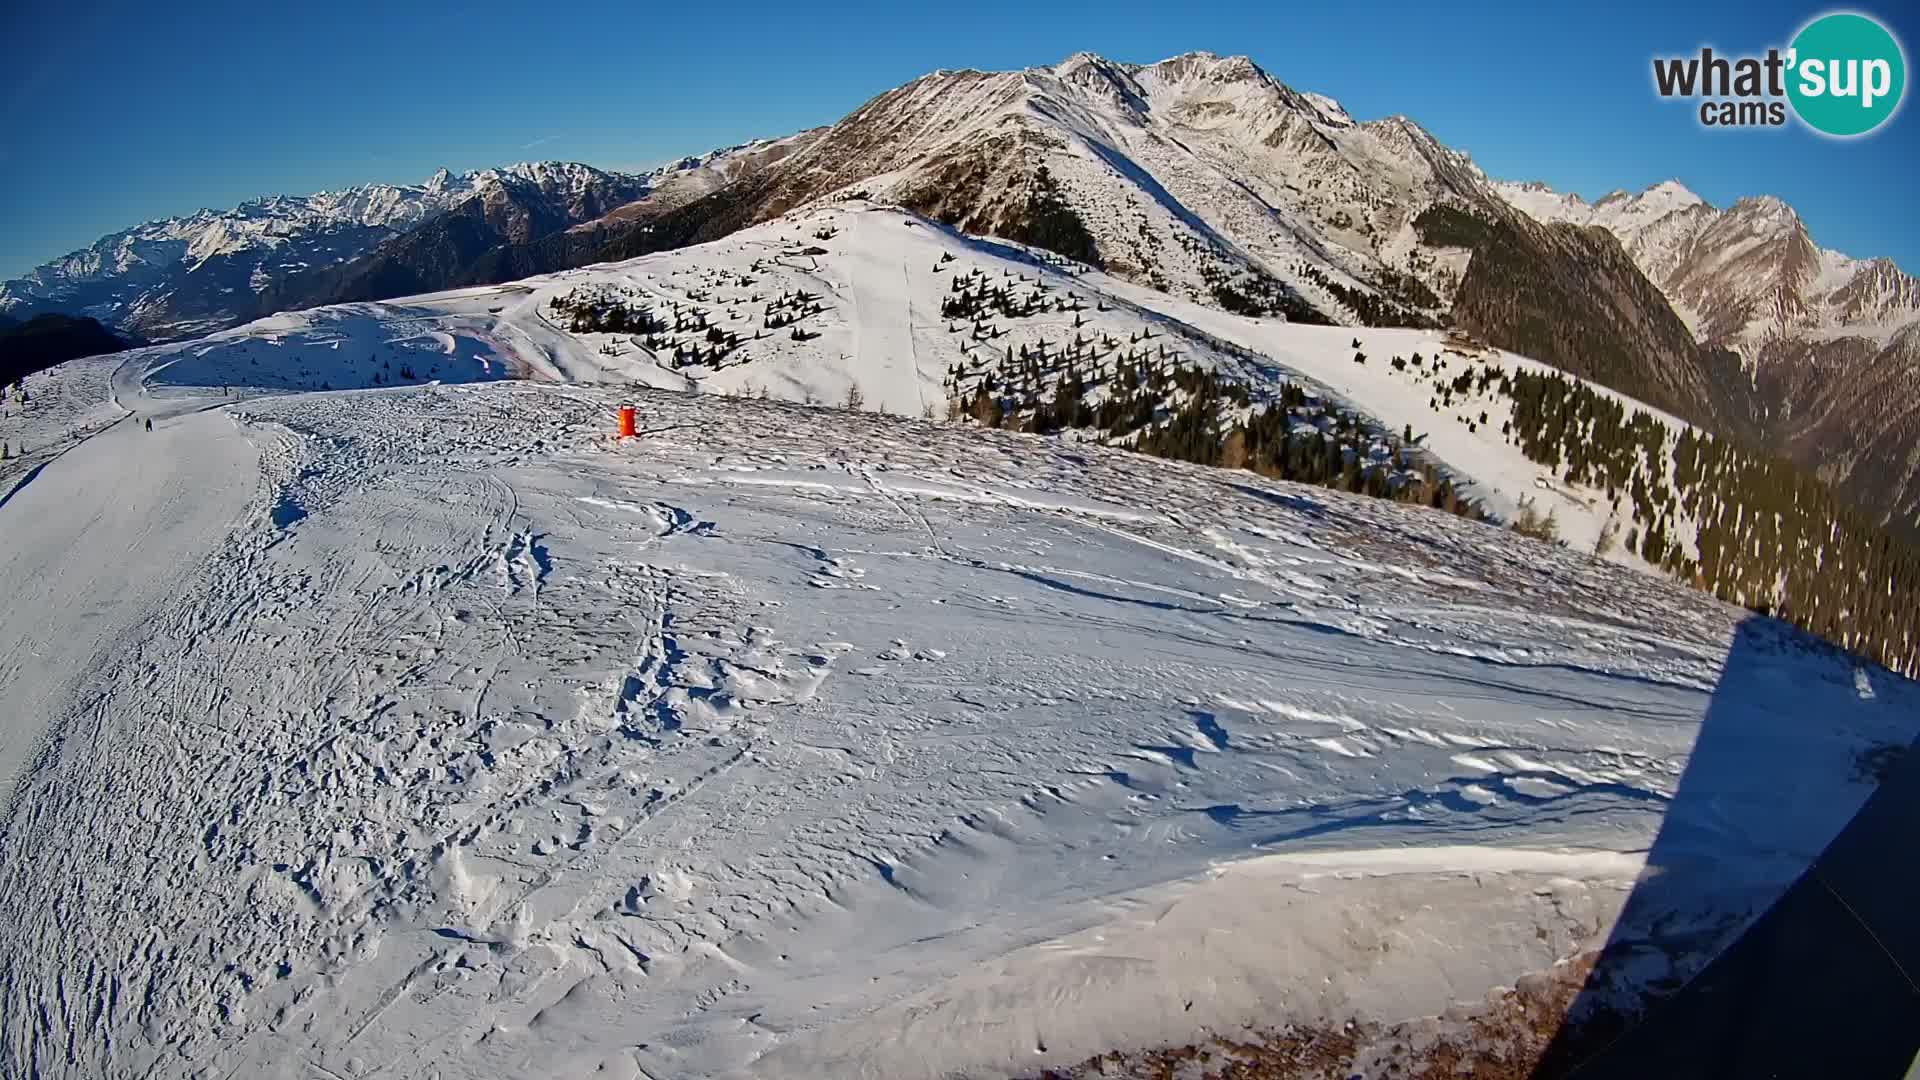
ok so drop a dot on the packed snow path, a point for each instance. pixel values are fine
(95, 540)
(884, 346)
(431, 732)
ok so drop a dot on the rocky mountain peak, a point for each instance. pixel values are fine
(1212, 67)
(1764, 211)
(1673, 192)
(1103, 78)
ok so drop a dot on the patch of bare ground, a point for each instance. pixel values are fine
(1515, 1034)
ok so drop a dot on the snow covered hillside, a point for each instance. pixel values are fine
(52, 410)
(881, 309)
(845, 302)
(427, 729)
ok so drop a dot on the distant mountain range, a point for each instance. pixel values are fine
(185, 276)
(1200, 175)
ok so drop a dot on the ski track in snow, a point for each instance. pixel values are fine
(882, 325)
(430, 731)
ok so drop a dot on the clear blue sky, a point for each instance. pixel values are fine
(114, 113)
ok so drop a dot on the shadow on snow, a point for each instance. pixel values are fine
(1823, 982)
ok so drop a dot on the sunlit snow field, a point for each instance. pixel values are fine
(431, 730)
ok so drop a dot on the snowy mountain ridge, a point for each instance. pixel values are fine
(270, 219)
(174, 275)
(1231, 153)
(1744, 275)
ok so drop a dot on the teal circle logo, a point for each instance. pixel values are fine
(1848, 74)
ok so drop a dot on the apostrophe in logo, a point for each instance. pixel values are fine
(1843, 75)
(1849, 74)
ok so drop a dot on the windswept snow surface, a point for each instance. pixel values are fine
(784, 741)
(426, 730)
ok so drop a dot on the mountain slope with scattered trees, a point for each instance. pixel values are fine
(1830, 344)
(1571, 297)
(46, 340)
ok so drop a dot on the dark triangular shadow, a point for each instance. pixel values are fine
(1823, 983)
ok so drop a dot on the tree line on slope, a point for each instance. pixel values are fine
(1771, 535)
(1767, 534)
(1572, 297)
(1050, 222)
(1400, 299)
(689, 334)
(1751, 529)
(1153, 403)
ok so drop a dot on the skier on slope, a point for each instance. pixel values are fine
(149, 423)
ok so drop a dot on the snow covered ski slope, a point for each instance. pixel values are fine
(425, 730)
